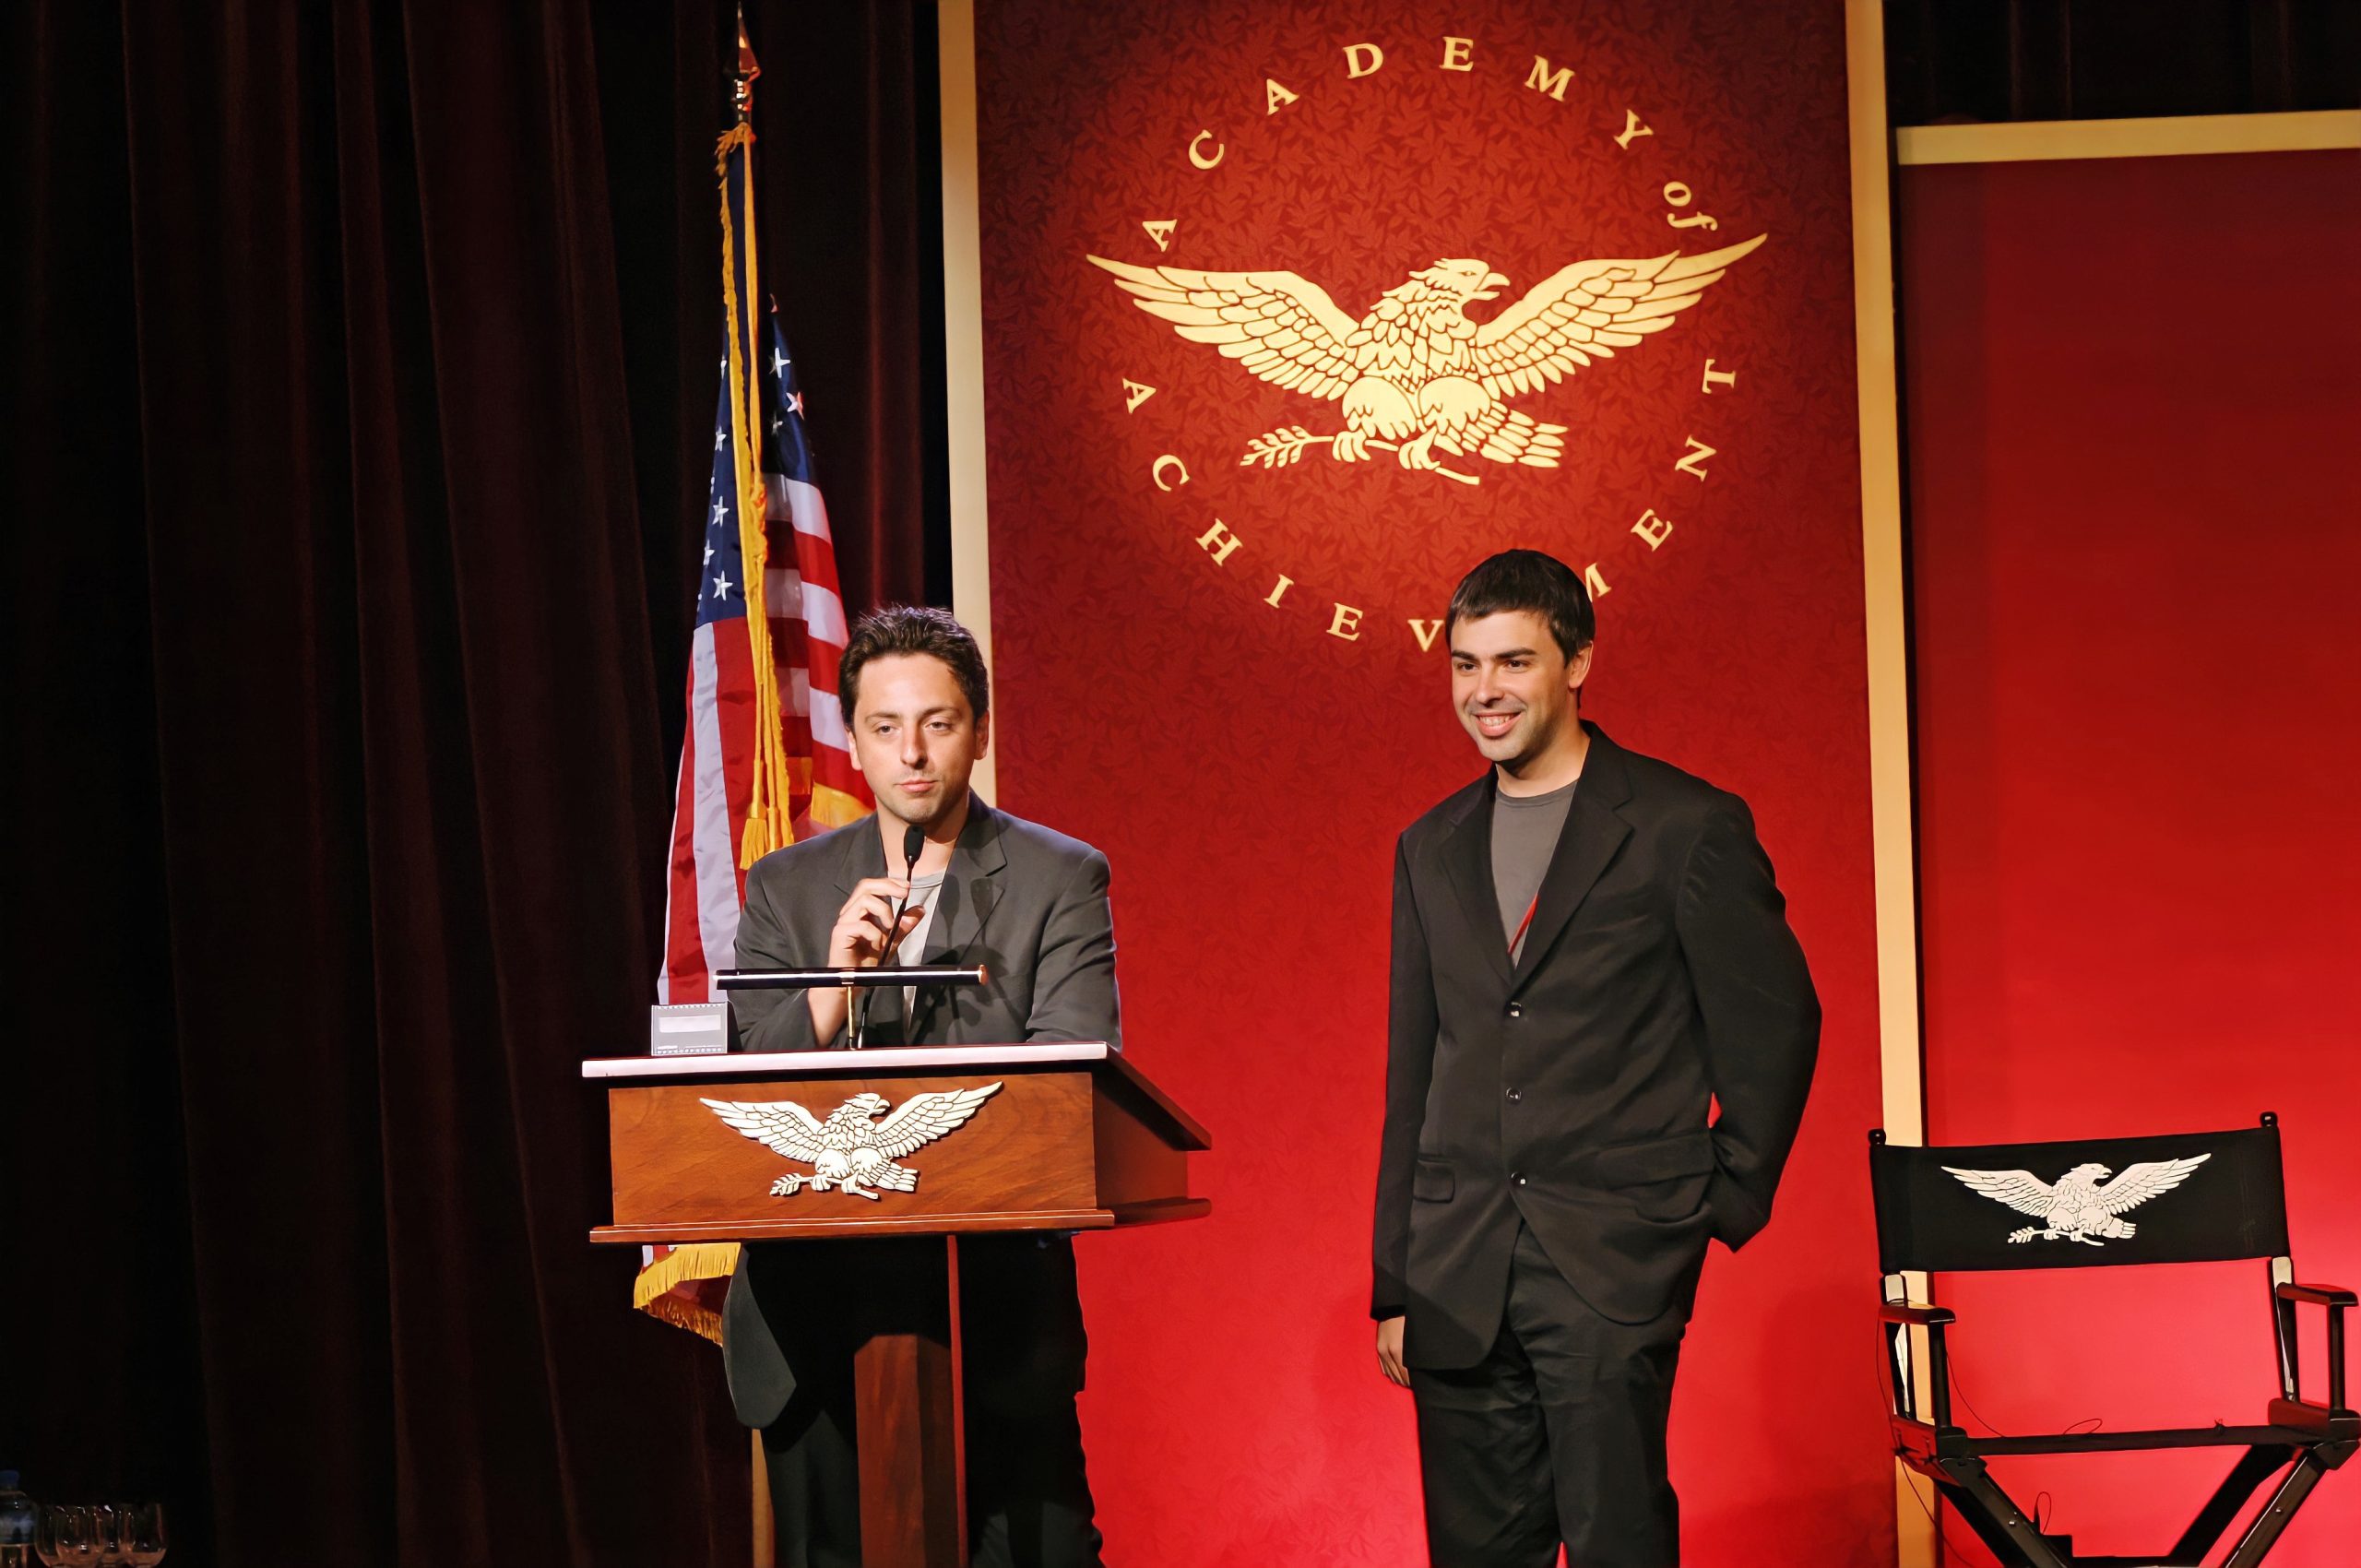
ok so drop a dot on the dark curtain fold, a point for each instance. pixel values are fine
(858, 268)
(2117, 59)
(364, 356)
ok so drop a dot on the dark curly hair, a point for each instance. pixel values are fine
(915, 628)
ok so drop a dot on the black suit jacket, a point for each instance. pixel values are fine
(1570, 1091)
(1027, 904)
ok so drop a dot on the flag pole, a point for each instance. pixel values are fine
(765, 1529)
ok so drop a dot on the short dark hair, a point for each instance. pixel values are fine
(915, 628)
(1528, 581)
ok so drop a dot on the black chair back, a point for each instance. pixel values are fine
(2188, 1197)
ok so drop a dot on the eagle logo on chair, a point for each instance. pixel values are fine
(2084, 1205)
(852, 1150)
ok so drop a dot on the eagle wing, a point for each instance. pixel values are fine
(779, 1125)
(1591, 309)
(2020, 1190)
(923, 1117)
(1283, 327)
(2135, 1184)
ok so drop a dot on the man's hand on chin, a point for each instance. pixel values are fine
(1389, 1351)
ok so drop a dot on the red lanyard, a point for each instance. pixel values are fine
(1522, 924)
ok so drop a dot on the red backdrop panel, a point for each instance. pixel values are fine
(2133, 402)
(1246, 752)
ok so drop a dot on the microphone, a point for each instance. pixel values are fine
(913, 846)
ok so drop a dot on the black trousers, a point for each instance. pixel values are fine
(1023, 1350)
(1557, 1436)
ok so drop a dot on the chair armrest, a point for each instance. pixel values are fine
(2318, 1295)
(2334, 1299)
(1933, 1319)
(1919, 1313)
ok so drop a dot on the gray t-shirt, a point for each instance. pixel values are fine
(1524, 834)
(925, 892)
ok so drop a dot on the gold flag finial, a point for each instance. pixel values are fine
(742, 93)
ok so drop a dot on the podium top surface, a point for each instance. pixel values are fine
(618, 1072)
(882, 1058)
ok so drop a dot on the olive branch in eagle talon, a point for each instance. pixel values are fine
(1415, 376)
(1287, 444)
(1281, 446)
(851, 1150)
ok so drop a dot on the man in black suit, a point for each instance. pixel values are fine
(1029, 906)
(1588, 949)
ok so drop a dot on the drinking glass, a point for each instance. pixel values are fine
(109, 1523)
(143, 1533)
(67, 1537)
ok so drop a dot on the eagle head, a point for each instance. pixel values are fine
(2092, 1172)
(868, 1107)
(1463, 279)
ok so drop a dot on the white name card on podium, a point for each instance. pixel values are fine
(688, 1029)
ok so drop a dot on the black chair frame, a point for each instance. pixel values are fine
(2303, 1438)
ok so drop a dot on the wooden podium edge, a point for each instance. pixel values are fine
(1156, 1211)
(1161, 1211)
(1108, 1066)
(1182, 1129)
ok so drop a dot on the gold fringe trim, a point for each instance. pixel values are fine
(686, 1314)
(701, 1260)
(651, 1292)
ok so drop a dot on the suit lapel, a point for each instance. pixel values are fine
(1592, 835)
(864, 856)
(971, 889)
(1468, 858)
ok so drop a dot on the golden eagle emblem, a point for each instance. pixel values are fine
(851, 1150)
(1416, 376)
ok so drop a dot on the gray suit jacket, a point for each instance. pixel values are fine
(1027, 903)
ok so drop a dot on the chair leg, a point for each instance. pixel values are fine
(2004, 1527)
(2264, 1532)
(2254, 1466)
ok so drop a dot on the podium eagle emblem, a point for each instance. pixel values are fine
(2083, 1203)
(852, 1150)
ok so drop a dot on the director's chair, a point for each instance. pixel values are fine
(2196, 1197)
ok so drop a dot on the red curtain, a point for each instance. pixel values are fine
(363, 357)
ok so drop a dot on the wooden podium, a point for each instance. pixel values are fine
(752, 1148)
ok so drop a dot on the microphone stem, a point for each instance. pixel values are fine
(893, 945)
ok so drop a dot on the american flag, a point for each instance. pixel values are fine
(766, 758)
(807, 779)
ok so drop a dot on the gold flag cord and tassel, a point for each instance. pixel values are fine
(770, 812)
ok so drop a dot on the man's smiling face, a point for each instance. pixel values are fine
(1512, 685)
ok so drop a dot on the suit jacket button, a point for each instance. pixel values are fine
(1514, 1096)
(1516, 1010)
(1517, 1177)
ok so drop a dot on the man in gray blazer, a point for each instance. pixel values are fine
(1029, 906)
